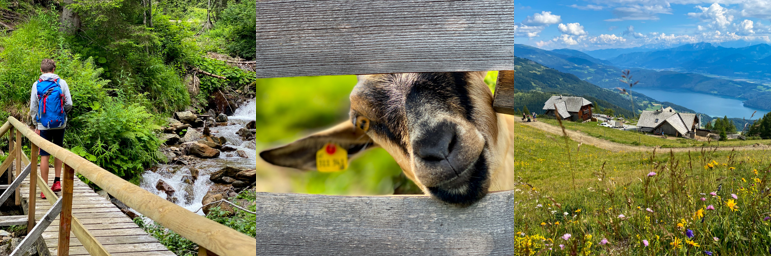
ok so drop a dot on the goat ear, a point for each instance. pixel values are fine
(301, 154)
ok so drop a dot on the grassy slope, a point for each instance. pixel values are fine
(601, 195)
(634, 138)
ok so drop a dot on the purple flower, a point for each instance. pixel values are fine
(708, 253)
(734, 196)
(562, 246)
(766, 218)
(712, 193)
(703, 199)
(645, 242)
(710, 207)
(689, 233)
(648, 209)
(604, 241)
(566, 236)
(651, 174)
(621, 216)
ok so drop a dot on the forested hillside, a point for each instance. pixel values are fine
(129, 66)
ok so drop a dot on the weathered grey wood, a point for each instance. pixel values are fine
(15, 184)
(307, 38)
(296, 224)
(13, 220)
(503, 101)
(38, 230)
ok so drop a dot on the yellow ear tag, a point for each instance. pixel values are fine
(331, 158)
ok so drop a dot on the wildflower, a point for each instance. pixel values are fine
(703, 199)
(543, 223)
(691, 243)
(710, 207)
(648, 209)
(557, 223)
(621, 216)
(645, 242)
(689, 233)
(766, 218)
(578, 211)
(680, 225)
(676, 243)
(698, 214)
(756, 180)
(731, 168)
(716, 239)
(708, 253)
(562, 246)
(538, 206)
(713, 193)
(731, 205)
(588, 237)
(566, 213)
(651, 174)
(566, 236)
(604, 241)
(734, 196)
(743, 180)
(755, 171)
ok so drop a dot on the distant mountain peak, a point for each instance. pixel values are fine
(696, 46)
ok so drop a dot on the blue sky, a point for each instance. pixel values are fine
(601, 24)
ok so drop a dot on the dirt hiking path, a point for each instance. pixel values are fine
(617, 147)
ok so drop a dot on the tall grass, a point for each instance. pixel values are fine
(695, 203)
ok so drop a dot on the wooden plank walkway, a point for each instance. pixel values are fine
(117, 232)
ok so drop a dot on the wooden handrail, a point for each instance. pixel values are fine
(213, 236)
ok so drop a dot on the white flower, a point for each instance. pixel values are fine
(538, 206)
(566, 213)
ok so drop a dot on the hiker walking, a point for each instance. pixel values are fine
(50, 101)
(533, 116)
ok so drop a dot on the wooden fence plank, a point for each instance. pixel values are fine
(295, 224)
(13, 220)
(15, 184)
(32, 198)
(38, 230)
(335, 37)
(17, 195)
(503, 101)
(65, 219)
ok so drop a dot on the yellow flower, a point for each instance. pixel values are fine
(676, 243)
(755, 171)
(680, 225)
(543, 223)
(757, 180)
(731, 168)
(731, 205)
(743, 180)
(698, 214)
(579, 210)
(588, 237)
(691, 243)
(556, 223)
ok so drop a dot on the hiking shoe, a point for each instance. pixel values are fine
(57, 186)
(42, 195)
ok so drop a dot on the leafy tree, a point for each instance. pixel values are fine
(723, 135)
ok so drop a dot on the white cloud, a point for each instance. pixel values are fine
(640, 12)
(572, 29)
(527, 31)
(565, 39)
(745, 28)
(607, 39)
(542, 19)
(630, 32)
(718, 15)
(757, 8)
(587, 7)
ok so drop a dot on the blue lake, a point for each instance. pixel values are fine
(712, 105)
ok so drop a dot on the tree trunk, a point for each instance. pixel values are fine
(69, 21)
(150, 13)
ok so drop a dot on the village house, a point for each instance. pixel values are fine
(568, 107)
(668, 121)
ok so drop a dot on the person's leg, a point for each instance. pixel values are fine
(58, 139)
(44, 167)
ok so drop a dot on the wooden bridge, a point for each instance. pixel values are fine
(99, 227)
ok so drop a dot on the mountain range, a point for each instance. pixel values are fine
(606, 73)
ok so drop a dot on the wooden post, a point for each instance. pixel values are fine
(17, 195)
(32, 187)
(65, 219)
(11, 146)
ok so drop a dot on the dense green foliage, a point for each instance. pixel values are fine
(125, 75)
(761, 127)
(723, 124)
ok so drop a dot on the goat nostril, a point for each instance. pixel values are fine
(437, 144)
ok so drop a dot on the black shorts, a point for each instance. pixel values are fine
(55, 136)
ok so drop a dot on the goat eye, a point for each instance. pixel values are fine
(362, 123)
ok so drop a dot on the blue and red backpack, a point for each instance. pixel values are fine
(50, 112)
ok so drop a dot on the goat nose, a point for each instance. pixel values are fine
(436, 143)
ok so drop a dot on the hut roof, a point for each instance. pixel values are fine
(572, 104)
